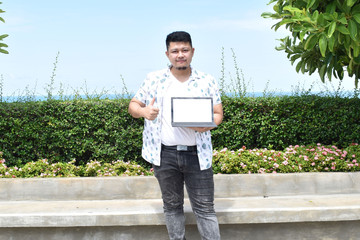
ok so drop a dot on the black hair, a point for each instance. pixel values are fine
(179, 36)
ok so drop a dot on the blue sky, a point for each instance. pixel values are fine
(100, 41)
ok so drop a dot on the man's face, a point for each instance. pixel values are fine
(180, 55)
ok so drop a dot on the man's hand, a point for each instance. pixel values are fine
(138, 109)
(218, 117)
(151, 112)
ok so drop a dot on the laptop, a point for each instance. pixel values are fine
(192, 112)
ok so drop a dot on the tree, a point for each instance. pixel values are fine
(325, 35)
(3, 45)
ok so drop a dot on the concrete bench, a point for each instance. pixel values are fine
(258, 206)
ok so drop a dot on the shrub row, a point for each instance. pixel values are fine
(318, 158)
(277, 122)
(103, 130)
(65, 130)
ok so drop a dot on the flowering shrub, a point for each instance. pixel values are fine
(317, 158)
(42, 168)
(117, 168)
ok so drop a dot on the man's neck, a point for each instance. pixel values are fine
(181, 74)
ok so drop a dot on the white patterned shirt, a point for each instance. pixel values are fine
(155, 85)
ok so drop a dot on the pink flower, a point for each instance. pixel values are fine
(312, 164)
(223, 150)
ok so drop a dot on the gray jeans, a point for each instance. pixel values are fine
(177, 168)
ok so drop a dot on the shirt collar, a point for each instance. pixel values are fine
(194, 74)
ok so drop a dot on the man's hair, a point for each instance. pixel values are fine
(179, 36)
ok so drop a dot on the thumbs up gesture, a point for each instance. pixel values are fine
(151, 112)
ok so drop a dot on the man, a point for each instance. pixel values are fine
(179, 155)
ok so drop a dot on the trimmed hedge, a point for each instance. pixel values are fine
(65, 130)
(103, 130)
(277, 122)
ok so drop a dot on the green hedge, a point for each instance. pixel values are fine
(103, 130)
(65, 130)
(277, 122)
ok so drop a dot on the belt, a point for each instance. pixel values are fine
(179, 148)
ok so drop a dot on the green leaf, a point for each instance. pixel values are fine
(1, 19)
(350, 67)
(3, 51)
(292, 9)
(322, 72)
(315, 16)
(310, 3)
(330, 8)
(323, 45)
(355, 9)
(331, 43)
(311, 41)
(294, 58)
(350, 3)
(303, 67)
(340, 73)
(328, 16)
(329, 72)
(353, 29)
(302, 35)
(342, 29)
(298, 66)
(3, 36)
(343, 20)
(356, 17)
(356, 49)
(331, 29)
(267, 15)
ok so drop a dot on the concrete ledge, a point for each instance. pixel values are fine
(247, 202)
(236, 185)
(149, 212)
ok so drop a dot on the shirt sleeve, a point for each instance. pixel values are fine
(214, 91)
(143, 93)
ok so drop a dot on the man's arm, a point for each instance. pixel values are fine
(218, 117)
(138, 109)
